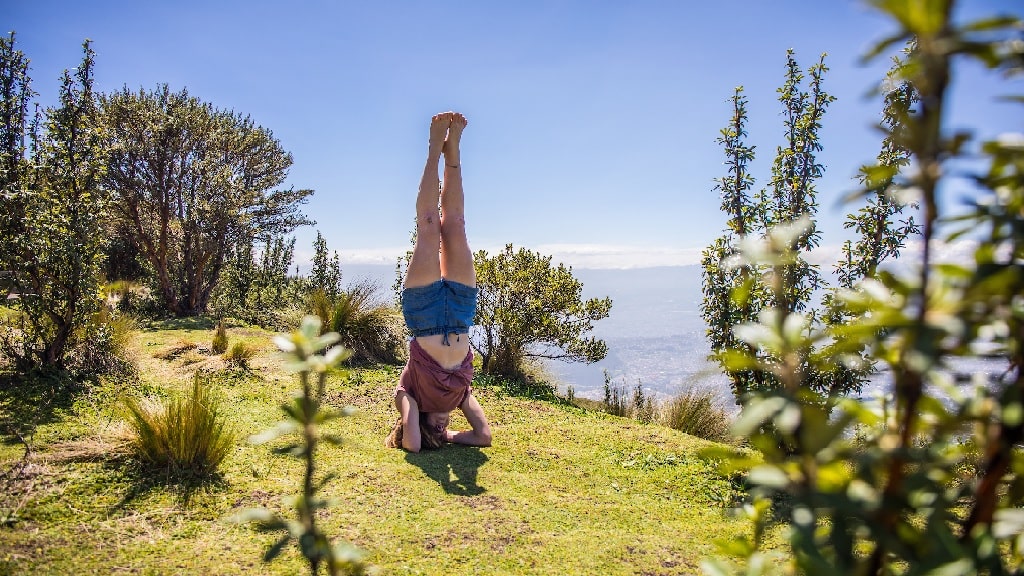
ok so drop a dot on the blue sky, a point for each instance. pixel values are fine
(592, 125)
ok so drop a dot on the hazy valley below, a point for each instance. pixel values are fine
(655, 333)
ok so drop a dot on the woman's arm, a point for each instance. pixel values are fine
(410, 412)
(480, 435)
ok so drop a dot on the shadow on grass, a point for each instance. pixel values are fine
(186, 323)
(28, 401)
(143, 480)
(462, 462)
(523, 387)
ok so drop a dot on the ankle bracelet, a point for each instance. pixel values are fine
(450, 166)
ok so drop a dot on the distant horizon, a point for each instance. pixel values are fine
(598, 257)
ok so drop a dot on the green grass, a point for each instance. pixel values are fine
(562, 491)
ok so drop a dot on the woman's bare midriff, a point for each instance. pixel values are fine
(449, 357)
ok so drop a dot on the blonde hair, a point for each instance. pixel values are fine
(430, 439)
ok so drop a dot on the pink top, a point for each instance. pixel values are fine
(435, 388)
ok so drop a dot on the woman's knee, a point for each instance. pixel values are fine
(484, 434)
(453, 224)
(428, 224)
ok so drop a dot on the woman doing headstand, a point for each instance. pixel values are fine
(439, 302)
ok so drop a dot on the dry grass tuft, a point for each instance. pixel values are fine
(698, 412)
(239, 355)
(186, 435)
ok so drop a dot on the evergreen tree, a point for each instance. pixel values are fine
(255, 280)
(722, 275)
(880, 233)
(275, 260)
(794, 172)
(326, 273)
(736, 291)
(15, 96)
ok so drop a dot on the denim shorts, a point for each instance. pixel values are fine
(444, 307)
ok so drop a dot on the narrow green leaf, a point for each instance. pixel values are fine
(280, 429)
(715, 567)
(1008, 523)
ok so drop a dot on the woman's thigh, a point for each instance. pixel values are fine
(425, 265)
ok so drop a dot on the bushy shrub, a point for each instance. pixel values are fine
(220, 338)
(104, 344)
(183, 435)
(698, 412)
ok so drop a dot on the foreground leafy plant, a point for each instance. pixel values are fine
(934, 485)
(305, 415)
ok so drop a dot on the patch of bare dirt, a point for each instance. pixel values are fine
(485, 502)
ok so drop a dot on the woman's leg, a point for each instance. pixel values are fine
(480, 435)
(410, 414)
(456, 259)
(425, 266)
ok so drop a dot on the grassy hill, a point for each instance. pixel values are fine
(562, 491)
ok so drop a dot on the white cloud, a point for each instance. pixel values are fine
(373, 256)
(1011, 139)
(575, 255)
(619, 257)
(957, 252)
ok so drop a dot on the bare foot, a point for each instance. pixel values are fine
(439, 124)
(451, 144)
